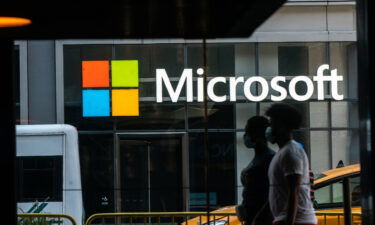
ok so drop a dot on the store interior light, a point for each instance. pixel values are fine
(13, 22)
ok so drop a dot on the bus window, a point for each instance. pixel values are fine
(39, 178)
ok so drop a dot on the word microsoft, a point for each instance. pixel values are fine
(186, 79)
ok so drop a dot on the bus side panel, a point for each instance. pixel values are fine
(51, 207)
(52, 140)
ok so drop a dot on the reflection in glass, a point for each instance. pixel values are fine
(151, 57)
(329, 131)
(320, 159)
(244, 111)
(155, 116)
(150, 172)
(220, 58)
(302, 107)
(318, 114)
(221, 171)
(220, 116)
(345, 147)
(97, 168)
(343, 57)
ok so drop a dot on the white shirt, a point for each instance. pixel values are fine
(291, 159)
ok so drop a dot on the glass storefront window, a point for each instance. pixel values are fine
(343, 57)
(151, 57)
(220, 116)
(155, 117)
(150, 174)
(243, 112)
(328, 134)
(220, 58)
(344, 148)
(221, 171)
(290, 59)
(318, 114)
(143, 149)
(97, 168)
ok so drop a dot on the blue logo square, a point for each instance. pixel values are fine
(95, 103)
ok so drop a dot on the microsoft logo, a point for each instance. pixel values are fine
(110, 88)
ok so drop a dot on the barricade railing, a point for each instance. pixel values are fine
(335, 218)
(44, 219)
(163, 218)
(197, 218)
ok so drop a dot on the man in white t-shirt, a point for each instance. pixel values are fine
(288, 174)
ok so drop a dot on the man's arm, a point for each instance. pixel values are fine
(293, 181)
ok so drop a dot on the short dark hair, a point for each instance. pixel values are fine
(257, 125)
(285, 114)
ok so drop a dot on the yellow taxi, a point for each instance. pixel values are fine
(329, 199)
(329, 194)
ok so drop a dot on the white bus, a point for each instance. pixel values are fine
(48, 170)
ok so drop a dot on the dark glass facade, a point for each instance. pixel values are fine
(138, 163)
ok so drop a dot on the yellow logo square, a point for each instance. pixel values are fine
(125, 102)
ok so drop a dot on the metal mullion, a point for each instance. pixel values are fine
(59, 70)
(185, 190)
(330, 142)
(256, 53)
(185, 149)
(329, 120)
(87, 132)
(117, 171)
(148, 175)
(186, 103)
(212, 130)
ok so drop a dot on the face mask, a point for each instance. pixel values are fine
(269, 135)
(248, 142)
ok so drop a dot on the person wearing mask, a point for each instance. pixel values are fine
(289, 194)
(254, 177)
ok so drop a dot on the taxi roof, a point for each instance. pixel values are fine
(338, 172)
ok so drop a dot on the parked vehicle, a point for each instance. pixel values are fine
(48, 170)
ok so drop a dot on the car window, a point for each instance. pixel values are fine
(331, 195)
(355, 187)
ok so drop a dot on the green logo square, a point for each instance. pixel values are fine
(124, 73)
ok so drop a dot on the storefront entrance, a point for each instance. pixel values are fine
(150, 172)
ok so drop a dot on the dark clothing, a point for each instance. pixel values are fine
(254, 179)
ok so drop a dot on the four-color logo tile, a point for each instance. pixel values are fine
(110, 88)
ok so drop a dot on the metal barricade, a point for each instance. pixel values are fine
(164, 218)
(197, 218)
(44, 219)
(332, 218)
